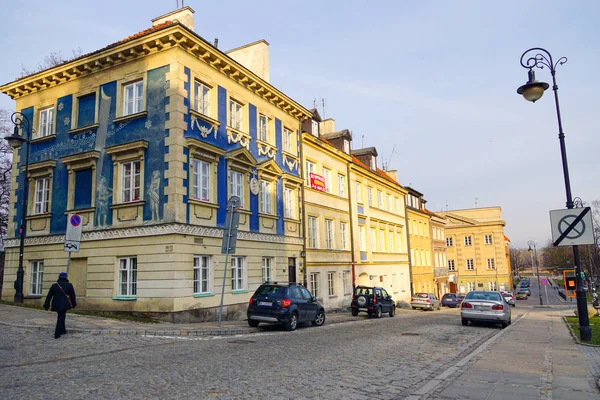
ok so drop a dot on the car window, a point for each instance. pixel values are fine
(295, 292)
(277, 291)
(378, 292)
(384, 293)
(306, 294)
(421, 295)
(363, 290)
(432, 296)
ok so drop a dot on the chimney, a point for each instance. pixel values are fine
(254, 56)
(185, 16)
(328, 126)
(393, 174)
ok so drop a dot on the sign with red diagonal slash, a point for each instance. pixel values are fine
(73, 234)
(572, 227)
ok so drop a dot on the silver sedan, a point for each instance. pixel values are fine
(484, 306)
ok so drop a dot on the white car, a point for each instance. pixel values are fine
(483, 306)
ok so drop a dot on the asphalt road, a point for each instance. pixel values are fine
(375, 359)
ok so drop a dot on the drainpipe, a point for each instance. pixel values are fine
(302, 215)
(350, 209)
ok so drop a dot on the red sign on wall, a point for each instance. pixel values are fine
(317, 182)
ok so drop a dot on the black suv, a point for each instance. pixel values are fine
(288, 304)
(373, 300)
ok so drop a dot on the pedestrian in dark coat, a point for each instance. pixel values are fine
(62, 296)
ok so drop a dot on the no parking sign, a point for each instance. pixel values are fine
(73, 235)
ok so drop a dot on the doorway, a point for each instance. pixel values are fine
(292, 269)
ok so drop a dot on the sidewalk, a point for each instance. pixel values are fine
(29, 318)
(535, 358)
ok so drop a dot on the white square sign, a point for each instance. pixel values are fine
(572, 227)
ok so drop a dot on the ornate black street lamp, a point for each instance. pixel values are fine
(533, 91)
(22, 134)
(534, 264)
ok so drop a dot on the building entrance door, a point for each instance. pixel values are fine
(292, 270)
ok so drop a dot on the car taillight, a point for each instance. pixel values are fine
(251, 300)
(374, 299)
(498, 307)
(429, 301)
(285, 303)
(466, 305)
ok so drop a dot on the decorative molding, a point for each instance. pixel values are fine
(292, 163)
(266, 149)
(156, 230)
(235, 136)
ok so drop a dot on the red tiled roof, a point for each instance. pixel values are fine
(506, 238)
(127, 39)
(431, 213)
(379, 172)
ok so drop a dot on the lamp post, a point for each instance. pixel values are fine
(21, 134)
(534, 264)
(533, 91)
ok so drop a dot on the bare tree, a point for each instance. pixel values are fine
(5, 170)
(50, 61)
(517, 260)
(557, 258)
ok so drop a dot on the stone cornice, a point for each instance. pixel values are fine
(171, 36)
(155, 230)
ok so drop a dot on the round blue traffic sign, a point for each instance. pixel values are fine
(75, 220)
(544, 281)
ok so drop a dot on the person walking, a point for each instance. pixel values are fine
(62, 297)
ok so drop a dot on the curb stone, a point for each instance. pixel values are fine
(577, 340)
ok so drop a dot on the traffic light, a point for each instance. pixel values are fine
(570, 282)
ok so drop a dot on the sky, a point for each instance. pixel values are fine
(430, 84)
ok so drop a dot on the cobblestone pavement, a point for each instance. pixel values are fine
(376, 359)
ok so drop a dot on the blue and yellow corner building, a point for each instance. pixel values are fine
(147, 139)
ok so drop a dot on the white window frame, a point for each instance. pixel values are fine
(397, 202)
(310, 167)
(287, 141)
(41, 196)
(380, 199)
(346, 282)
(468, 241)
(314, 283)
(202, 97)
(327, 179)
(36, 274)
(128, 266)
(390, 238)
(359, 198)
(137, 101)
(263, 128)
(238, 273)
(370, 195)
(469, 262)
(267, 269)
(329, 235)
(201, 180)
(363, 238)
(235, 114)
(266, 197)
(451, 266)
(202, 274)
(132, 187)
(331, 283)
(449, 242)
(389, 203)
(288, 202)
(343, 235)
(381, 240)
(373, 239)
(491, 264)
(46, 122)
(400, 245)
(314, 128)
(341, 185)
(313, 229)
(236, 185)
(488, 239)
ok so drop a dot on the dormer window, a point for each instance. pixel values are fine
(346, 147)
(373, 164)
(315, 128)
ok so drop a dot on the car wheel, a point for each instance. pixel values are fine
(292, 324)
(439, 307)
(504, 325)
(320, 319)
(414, 308)
(354, 312)
(464, 321)
(252, 323)
(514, 305)
(393, 311)
(378, 313)
(509, 320)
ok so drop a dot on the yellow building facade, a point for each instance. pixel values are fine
(438, 245)
(476, 250)
(420, 243)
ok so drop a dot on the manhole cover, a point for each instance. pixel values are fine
(410, 334)
(241, 341)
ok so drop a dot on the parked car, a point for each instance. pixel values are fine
(509, 297)
(373, 300)
(452, 300)
(521, 294)
(527, 289)
(483, 306)
(287, 304)
(425, 301)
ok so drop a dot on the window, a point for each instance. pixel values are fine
(327, 179)
(41, 195)
(267, 264)
(287, 141)
(237, 273)
(130, 189)
(310, 168)
(346, 147)
(470, 265)
(314, 284)
(312, 232)
(363, 238)
(35, 277)
(451, 265)
(358, 193)
(488, 239)
(400, 246)
(491, 264)
(468, 241)
(373, 164)
(390, 241)
(329, 234)
(370, 195)
(201, 98)
(84, 111)
(201, 180)
(397, 201)
(46, 125)
(263, 128)
(133, 94)
(379, 200)
(346, 281)
(492, 286)
(202, 274)
(381, 240)
(236, 185)
(235, 115)
(343, 235)
(288, 198)
(449, 242)
(389, 203)
(266, 197)
(342, 185)
(128, 276)
(314, 128)
(373, 240)
(331, 283)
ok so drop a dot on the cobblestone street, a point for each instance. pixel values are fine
(380, 359)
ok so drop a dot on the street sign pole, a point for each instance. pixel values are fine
(232, 214)
(72, 237)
